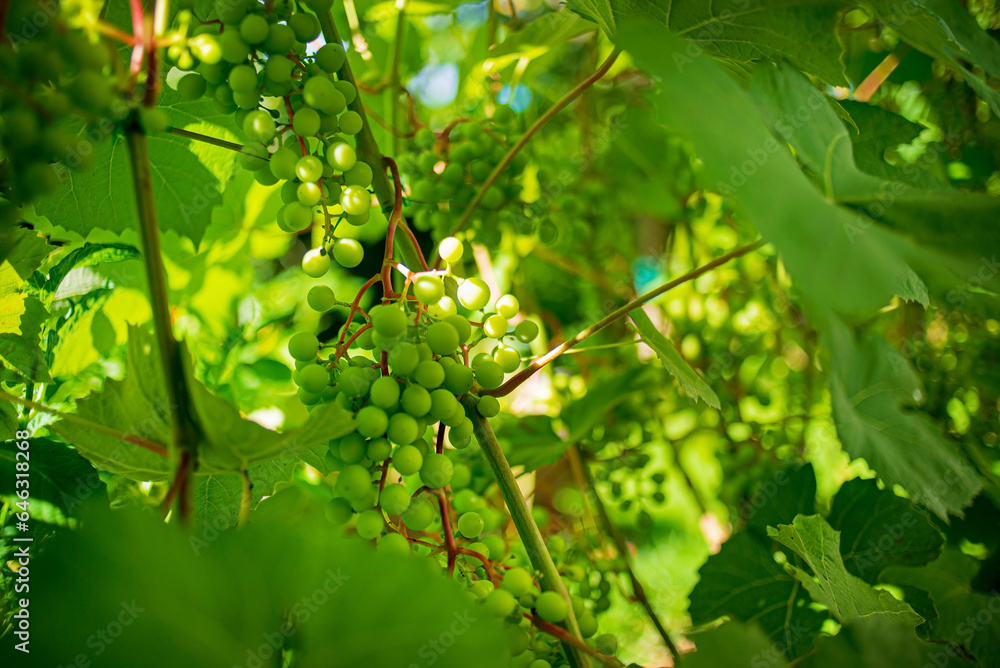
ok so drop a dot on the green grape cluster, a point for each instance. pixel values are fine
(61, 72)
(293, 109)
(446, 170)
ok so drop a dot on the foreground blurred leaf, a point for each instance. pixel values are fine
(672, 361)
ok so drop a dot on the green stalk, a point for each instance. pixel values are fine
(184, 430)
(367, 148)
(539, 555)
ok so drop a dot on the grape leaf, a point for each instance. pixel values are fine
(879, 529)
(778, 499)
(846, 596)
(672, 361)
(734, 645)
(86, 255)
(961, 610)
(532, 440)
(875, 643)
(745, 582)
(737, 31)
(870, 383)
(188, 177)
(21, 314)
(244, 597)
(61, 480)
(748, 164)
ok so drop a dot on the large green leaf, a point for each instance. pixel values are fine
(828, 581)
(672, 361)
(86, 255)
(734, 645)
(879, 529)
(188, 177)
(738, 31)
(245, 598)
(779, 498)
(870, 385)
(745, 582)
(61, 480)
(750, 165)
(876, 643)
(964, 616)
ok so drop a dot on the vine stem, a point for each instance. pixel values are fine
(246, 499)
(523, 141)
(145, 443)
(576, 461)
(183, 425)
(561, 634)
(526, 527)
(365, 144)
(214, 141)
(526, 373)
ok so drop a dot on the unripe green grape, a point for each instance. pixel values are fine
(423, 191)
(416, 401)
(347, 89)
(395, 499)
(456, 417)
(407, 460)
(372, 421)
(283, 163)
(470, 525)
(354, 381)
(351, 122)
(234, 49)
(443, 404)
(297, 217)
(280, 39)
(315, 262)
(489, 375)
(429, 374)
(306, 122)
(551, 607)
(351, 448)
(370, 525)
(436, 471)
(305, 26)
(313, 378)
(342, 156)
(474, 294)
(308, 194)
(331, 57)
(442, 338)
(526, 331)
(354, 482)
(320, 298)
(428, 289)
(319, 93)
(206, 49)
(403, 429)
(495, 326)
(378, 450)
(385, 392)
(366, 502)
(500, 603)
(450, 249)
(278, 69)
(264, 177)
(419, 515)
(426, 163)
(507, 358)
(192, 86)
(458, 379)
(303, 346)
(461, 325)
(453, 174)
(308, 169)
(607, 643)
(213, 74)
(254, 29)
(229, 11)
(403, 359)
(358, 221)
(355, 200)
(444, 308)
(338, 511)
(389, 320)
(358, 175)
(488, 406)
(507, 306)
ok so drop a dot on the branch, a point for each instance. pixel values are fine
(183, 425)
(145, 443)
(222, 143)
(525, 524)
(568, 639)
(535, 127)
(526, 373)
(246, 498)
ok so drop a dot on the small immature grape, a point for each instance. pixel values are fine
(308, 194)
(403, 359)
(518, 582)
(351, 123)
(458, 379)
(296, 217)
(526, 331)
(303, 346)
(346, 89)
(306, 122)
(444, 308)
(243, 79)
(428, 289)
(379, 450)
(495, 326)
(500, 603)
(407, 460)
(313, 378)
(254, 29)
(385, 392)
(331, 57)
(305, 26)
(341, 156)
(416, 401)
(354, 482)
(309, 169)
(192, 86)
(389, 320)
(348, 252)
(234, 49)
(338, 511)
(355, 381)
(436, 471)
(319, 93)
(315, 262)
(443, 404)
(470, 525)
(488, 406)
(539, 663)
(442, 338)
(507, 358)
(351, 448)
(508, 306)
(450, 249)
(395, 499)
(419, 515)
(551, 607)
(320, 298)
(206, 49)
(429, 374)
(403, 429)
(372, 422)
(259, 126)
(283, 163)
(358, 175)
(370, 524)
(474, 294)
(355, 200)
(280, 39)
(489, 375)
(461, 326)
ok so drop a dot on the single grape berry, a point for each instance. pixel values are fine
(303, 346)
(551, 607)
(385, 392)
(474, 294)
(341, 156)
(429, 374)
(495, 326)
(419, 515)
(428, 289)
(355, 200)
(354, 482)
(488, 406)
(518, 582)
(348, 252)
(395, 499)
(389, 320)
(320, 298)
(526, 331)
(315, 262)
(442, 338)
(508, 306)
(407, 460)
(436, 471)
(489, 375)
(450, 249)
(470, 525)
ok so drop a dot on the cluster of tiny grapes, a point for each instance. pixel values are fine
(61, 71)
(253, 62)
(447, 169)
